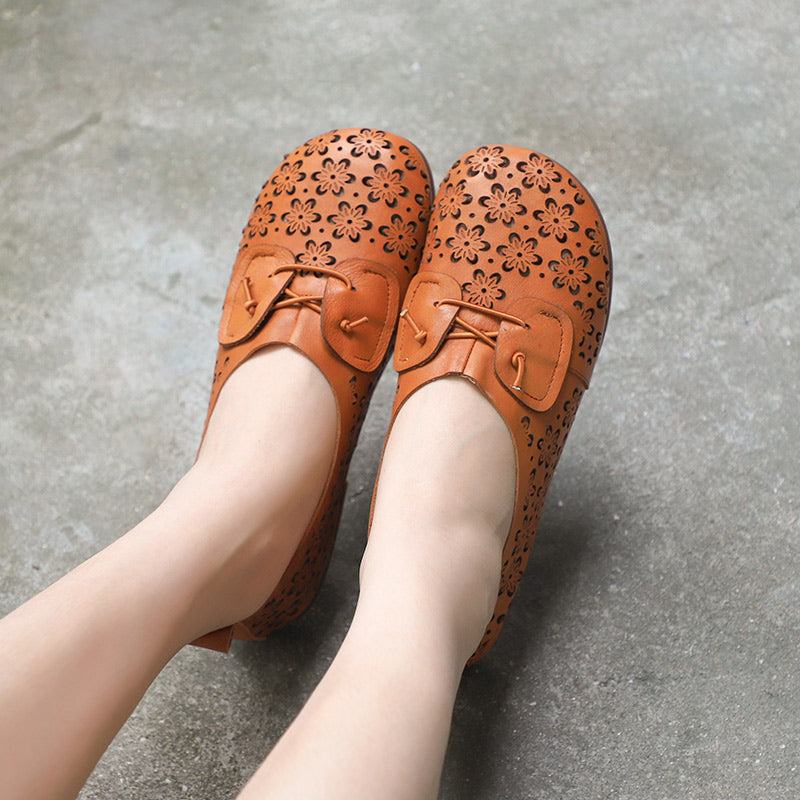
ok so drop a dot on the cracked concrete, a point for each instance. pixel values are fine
(652, 650)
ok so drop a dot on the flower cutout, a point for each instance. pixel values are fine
(570, 410)
(511, 575)
(570, 272)
(316, 255)
(385, 185)
(287, 177)
(259, 221)
(483, 289)
(411, 163)
(399, 236)
(433, 242)
(598, 245)
(519, 255)
(300, 216)
(502, 204)
(467, 243)
(556, 220)
(603, 291)
(320, 144)
(538, 171)
(549, 446)
(349, 221)
(587, 321)
(526, 426)
(333, 176)
(486, 161)
(452, 198)
(533, 484)
(368, 142)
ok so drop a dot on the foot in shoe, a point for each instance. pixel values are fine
(443, 505)
(330, 247)
(264, 460)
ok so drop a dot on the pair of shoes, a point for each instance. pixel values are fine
(512, 294)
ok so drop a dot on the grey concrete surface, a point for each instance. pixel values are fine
(652, 651)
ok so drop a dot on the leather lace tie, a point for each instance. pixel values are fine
(312, 301)
(471, 332)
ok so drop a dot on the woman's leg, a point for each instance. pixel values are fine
(378, 723)
(76, 659)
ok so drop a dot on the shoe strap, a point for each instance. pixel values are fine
(357, 303)
(532, 340)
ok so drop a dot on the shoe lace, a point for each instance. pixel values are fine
(467, 331)
(292, 298)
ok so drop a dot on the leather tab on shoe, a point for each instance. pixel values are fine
(532, 362)
(252, 291)
(424, 322)
(358, 321)
(219, 640)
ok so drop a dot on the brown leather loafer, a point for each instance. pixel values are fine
(325, 258)
(513, 294)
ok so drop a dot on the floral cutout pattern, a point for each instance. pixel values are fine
(549, 238)
(386, 185)
(349, 221)
(320, 144)
(548, 445)
(287, 177)
(556, 220)
(300, 216)
(467, 243)
(326, 190)
(333, 176)
(400, 236)
(486, 161)
(519, 255)
(483, 289)
(316, 255)
(502, 204)
(260, 220)
(588, 334)
(368, 142)
(598, 246)
(451, 200)
(538, 171)
(571, 272)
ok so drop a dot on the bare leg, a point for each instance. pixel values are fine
(77, 658)
(378, 723)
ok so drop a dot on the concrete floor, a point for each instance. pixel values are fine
(652, 650)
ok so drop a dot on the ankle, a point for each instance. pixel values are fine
(443, 509)
(231, 543)
(241, 510)
(443, 588)
(219, 543)
(275, 407)
(450, 452)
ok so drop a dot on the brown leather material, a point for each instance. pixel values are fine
(513, 294)
(217, 640)
(358, 321)
(332, 242)
(253, 276)
(427, 323)
(545, 347)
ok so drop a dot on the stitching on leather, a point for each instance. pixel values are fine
(555, 369)
(417, 287)
(385, 314)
